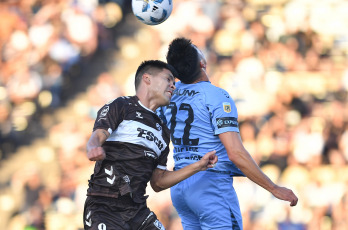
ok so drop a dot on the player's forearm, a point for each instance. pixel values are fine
(242, 159)
(254, 173)
(97, 138)
(165, 179)
(248, 166)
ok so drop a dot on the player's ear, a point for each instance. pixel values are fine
(147, 78)
(202, 64)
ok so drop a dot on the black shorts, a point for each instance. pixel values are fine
(103, 213)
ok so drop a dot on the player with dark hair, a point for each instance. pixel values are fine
(200, 117)
(130, 145)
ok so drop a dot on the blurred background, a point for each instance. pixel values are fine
(283, 61)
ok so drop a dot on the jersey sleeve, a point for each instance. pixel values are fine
(162, 161)
(224, 115)
(110, 115)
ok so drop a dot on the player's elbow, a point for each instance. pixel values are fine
(232, 155)
(156, 187)
(158, 181)
(235, 156)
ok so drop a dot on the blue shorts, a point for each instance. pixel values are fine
(207, 200)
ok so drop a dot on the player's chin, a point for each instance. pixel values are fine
(165, 101)
(167, 97)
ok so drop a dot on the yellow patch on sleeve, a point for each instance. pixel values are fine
(227, 107)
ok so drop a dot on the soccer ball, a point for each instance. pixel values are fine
(152, 12)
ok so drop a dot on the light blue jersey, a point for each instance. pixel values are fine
(195, 116)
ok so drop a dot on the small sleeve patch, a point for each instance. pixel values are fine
(227, 107)
(104, 111)
(223, 122)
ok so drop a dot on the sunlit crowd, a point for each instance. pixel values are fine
(283, 62)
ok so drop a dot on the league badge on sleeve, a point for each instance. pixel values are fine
(227, 107)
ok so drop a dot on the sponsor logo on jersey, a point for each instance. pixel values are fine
(223, 122)
(193, 157)
(148, 135)
(112, 177)
(126, 179)
(150, 154)
(158, 225)
(186, 149)
(139, 115)
(102, 226)
(88, 220)
(185, 92)
(104, 111)
(158, 127)
(227, 107)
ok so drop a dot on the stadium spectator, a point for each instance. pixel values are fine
(302, 57)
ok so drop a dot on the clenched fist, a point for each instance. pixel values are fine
(96, 154)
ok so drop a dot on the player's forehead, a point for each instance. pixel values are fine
(169, 74)
(165, 73)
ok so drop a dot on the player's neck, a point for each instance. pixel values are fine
(147, 100)
(202, 77)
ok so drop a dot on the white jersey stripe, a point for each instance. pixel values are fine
(134, 132)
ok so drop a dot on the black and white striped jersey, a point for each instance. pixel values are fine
(138, 143)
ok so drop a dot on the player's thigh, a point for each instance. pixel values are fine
(189, 219)
(214, 211)
(221, 217)
(98, 215)
(122, 214)
(215, 201)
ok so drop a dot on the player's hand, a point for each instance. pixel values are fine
(208, 160)
(286, 194)
(96, 154)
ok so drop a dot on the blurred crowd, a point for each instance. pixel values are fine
(45, 45)
(284, 62)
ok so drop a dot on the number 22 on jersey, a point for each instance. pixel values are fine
(187, 111)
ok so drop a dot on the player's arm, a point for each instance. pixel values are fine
(243, 160)
(94, 150)
(163, 179)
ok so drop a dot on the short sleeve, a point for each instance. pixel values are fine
(162, 161)
(224, 115)
(110, 115)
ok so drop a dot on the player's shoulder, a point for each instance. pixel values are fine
(118, 105)
(119, 101)
(214, 92)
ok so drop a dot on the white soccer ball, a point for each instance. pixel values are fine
(152, 12)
